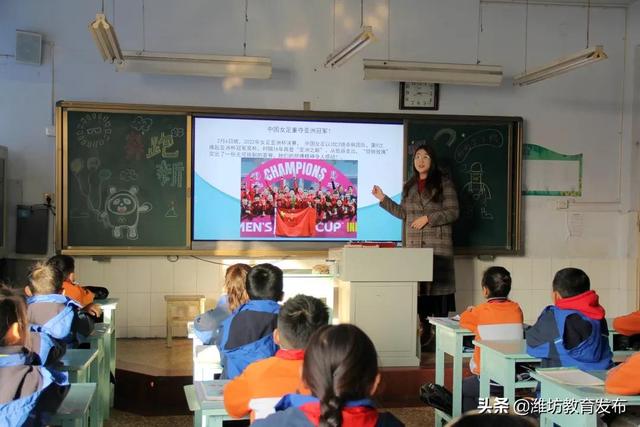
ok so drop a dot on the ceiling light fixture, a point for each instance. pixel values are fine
(105, 37)
(561, 66)
(248, 67)
(433, 72)
(341, 56)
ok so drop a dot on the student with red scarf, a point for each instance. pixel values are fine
(341, 370)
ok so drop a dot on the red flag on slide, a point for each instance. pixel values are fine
(296, 222)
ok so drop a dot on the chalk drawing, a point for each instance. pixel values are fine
(122, 212)
(478, 190)
(94, 130)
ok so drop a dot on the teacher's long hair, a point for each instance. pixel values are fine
(434, 175)
(340, 364)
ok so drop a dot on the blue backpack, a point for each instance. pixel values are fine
(21, 412)
(592, 354)
(59, 326)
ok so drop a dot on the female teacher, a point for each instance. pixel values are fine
(428, 208)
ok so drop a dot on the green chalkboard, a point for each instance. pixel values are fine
(125, 179)
(484, 157)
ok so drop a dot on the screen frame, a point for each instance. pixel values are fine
(299, 116)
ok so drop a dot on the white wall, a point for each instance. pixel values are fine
(591, 110)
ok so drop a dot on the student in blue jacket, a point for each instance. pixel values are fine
(341, 370)
(207, 325)
(51, 312)
(573, 332)
(247, 335)
(29, 394)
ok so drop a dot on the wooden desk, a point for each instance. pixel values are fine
(449, 339)
(180, 310)
(552, 389)
(73, 412)
(498, 360)
(207, 413)
(97, 340)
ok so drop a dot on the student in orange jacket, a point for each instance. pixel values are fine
(499, 316)
(81, 295)
(625, 379)
(276, 376)
(629, 324)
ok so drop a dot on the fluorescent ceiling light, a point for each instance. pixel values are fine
(561, 66)
(105, 37)
(247, 67)
(341, 56)
(433, 72)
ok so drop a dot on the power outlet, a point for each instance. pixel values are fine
(47, 198)
(562, 204)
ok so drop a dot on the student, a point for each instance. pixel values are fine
(82, 295)
(276, 376)
(206, 325)
(247, 335)
(341, 370)
(573, 332)
(628, 325)
(28, 393)
(50, 312)
(625, 378)
(498, 318)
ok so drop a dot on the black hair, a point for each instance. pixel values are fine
(299, 318)
(497, 280)
(12, 309)
(340, 364)
(570, 282)
(264, 282)
(494, 420)
(434, 175)
(64, 263)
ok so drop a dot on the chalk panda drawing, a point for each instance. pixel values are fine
(122, 212)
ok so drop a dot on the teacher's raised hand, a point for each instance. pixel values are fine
(377, 193)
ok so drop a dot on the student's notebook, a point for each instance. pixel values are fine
(572, 377)
(213, 390)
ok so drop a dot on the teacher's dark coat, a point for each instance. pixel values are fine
(436, 234)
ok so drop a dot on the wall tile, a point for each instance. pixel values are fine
(465, 273)
(138, 331)
(559, 264)
(541, 274)
(91, 272)
(185, 276)
(139, 274)
(158, 331)
(521, 273)
(208, 279)
(138, 309)
(162, 272)
(122, 332)
(116, 275)
(158, 310)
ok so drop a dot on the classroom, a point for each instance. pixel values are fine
(569, 193)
